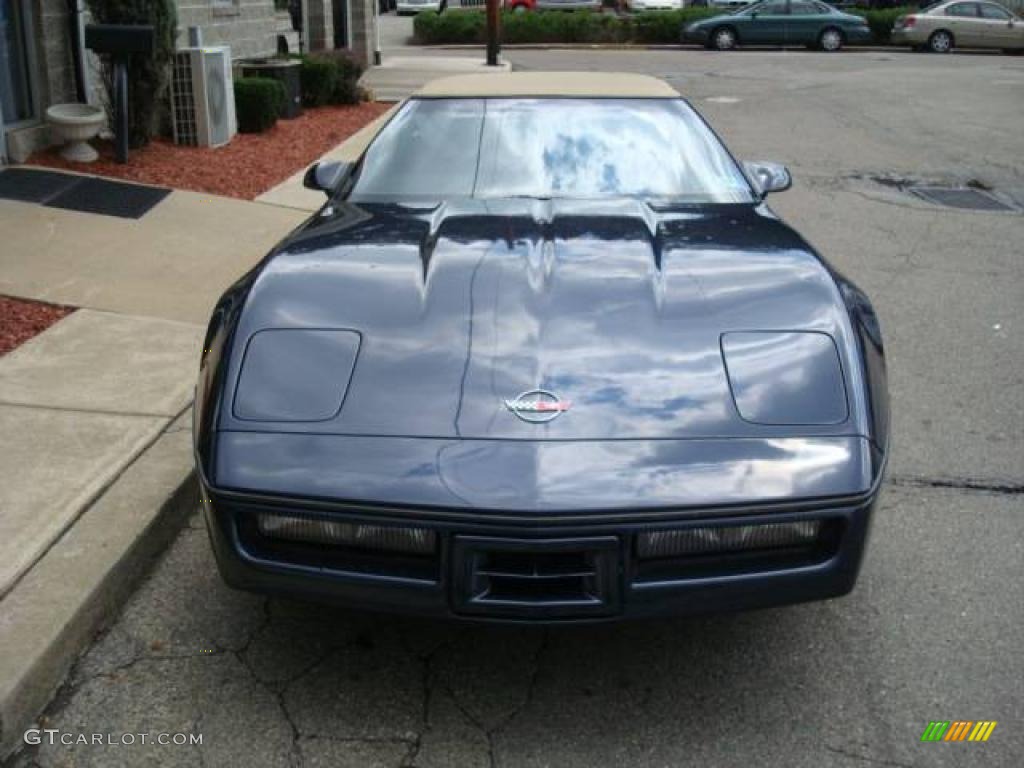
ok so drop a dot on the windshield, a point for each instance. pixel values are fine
(549, 148)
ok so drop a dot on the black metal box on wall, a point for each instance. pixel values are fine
(119, 38)
(286, 71)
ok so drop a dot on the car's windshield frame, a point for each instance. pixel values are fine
(741, 179)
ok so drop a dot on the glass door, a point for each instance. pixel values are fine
(17, 100)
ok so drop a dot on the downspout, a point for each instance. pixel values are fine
(76, 30)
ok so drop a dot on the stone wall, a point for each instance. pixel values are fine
(248, 26)
(53, 52)
(363, 34)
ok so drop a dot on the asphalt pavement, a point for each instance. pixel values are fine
(932, 632)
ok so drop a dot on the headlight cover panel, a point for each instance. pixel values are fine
(785, 377)
(290, 375)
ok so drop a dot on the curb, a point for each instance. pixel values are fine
(79, 585)
(648, 47)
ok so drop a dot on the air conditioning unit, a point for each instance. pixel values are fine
(203, 97)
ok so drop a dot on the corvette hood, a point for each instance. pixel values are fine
(618, 309)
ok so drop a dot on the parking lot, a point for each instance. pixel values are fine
(933, 630)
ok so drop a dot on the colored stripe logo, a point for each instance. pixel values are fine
(958, 730)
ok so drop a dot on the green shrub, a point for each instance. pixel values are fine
(148, 75)
(259, 101)
(881, 20)
(319, 78)
(452, 27)
(346, 84)
(664, 27)
(470, 27)
(330, 77)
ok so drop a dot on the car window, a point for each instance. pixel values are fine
(962, 10)
(989, 11)
(804, 8)
(772, 8)
(549, 148)
(423, 150)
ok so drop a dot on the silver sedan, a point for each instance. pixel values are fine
(940, 27)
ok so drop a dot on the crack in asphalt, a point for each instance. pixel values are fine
(959, 484)
(490, 733)
(426, 661)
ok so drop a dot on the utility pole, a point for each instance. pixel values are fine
(493, 31)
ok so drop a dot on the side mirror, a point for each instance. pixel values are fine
(753, 14)
(325, 177)
(769, 177)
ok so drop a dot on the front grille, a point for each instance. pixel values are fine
(511, 577)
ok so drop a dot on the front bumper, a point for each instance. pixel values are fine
(615, 581)
(908, 36)
(855, 35)
(695, 34)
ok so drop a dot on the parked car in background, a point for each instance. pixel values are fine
(654, 5)
(779, 22)
(942, 26)
(568, 5)
(521, 6)
(412, 7)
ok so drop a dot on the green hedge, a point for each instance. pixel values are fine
(259, 101)
(330, 77)
(456, 27)
(880, 21)
(470, 26)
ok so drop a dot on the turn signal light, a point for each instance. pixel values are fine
(380, 538)
(723, 539)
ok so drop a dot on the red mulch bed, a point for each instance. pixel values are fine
(20, 320)
(248, 166)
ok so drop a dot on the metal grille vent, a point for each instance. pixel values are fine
(183, 102)
(965, 198)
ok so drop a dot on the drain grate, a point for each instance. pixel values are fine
(964, 197)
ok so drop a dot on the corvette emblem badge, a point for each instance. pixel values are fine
(538, 406)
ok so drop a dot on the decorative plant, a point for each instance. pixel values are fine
(148, 75)
(259, 101)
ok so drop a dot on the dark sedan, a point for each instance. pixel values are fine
(780, 22)
(544, 355)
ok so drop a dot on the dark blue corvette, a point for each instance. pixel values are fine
(544, 355)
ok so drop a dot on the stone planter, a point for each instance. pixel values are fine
(74, 125)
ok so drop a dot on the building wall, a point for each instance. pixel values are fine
(248, 26)
(53, 52)
(363, 34)
(55, 76)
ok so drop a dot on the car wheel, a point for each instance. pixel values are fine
(830, 40)
(940, 42)
(723, 39)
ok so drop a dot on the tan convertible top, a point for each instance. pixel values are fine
(526, 84)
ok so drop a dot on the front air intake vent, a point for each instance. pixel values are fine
(507, 577)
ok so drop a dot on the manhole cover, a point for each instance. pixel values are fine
(970, 199)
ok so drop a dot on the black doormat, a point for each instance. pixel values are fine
(110, 198)
(34, 186)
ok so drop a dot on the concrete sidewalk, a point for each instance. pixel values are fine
(398, 77)
(97, 467)
(173, 262)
